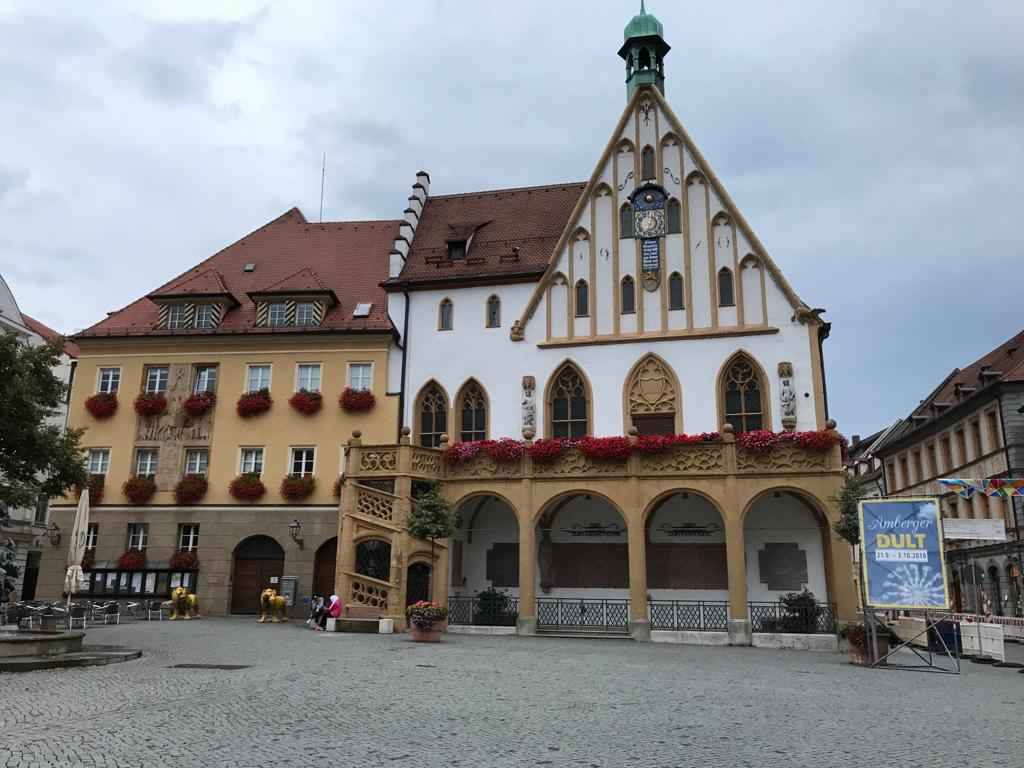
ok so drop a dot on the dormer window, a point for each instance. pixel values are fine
(305, 313)
(277, 314)
(456, 249)
(176, 316)
(205, 316)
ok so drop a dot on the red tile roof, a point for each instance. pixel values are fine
(513, 233)
(70, 348)
(208, 283)
(349, 258)
(304, 280)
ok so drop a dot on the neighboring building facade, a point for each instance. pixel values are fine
(971, 426)
(27, 526)
(639, 302)
(862, 461)
(292, 306)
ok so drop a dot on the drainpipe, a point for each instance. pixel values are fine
(405, 354)
(823, 332)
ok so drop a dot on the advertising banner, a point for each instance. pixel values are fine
(901, 554)
(990, 530)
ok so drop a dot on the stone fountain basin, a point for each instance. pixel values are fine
(28, 643)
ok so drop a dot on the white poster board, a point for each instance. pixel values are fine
(955, 528)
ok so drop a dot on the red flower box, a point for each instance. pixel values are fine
(254, 403)
(132, 560)
(88, 560)
(605, 448)
(199, 403)
(505, 450)
(763, 441)
(654, 444)
(183, 560)
(297, 487)
(547, 449)
(150, 404)
(357, 400)
(306, 402)
(139, 490)
(247, 487)
(337, 488)
(95, 485)
(462, 452)
(190, 489)
(102, 405)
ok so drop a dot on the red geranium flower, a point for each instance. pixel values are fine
(139, 490)
(199, 403)
(605, 448)
(102, 405)
(150, 404)
(247, 487)
(306, 402)
(190, 489)
(253, 403)
(132, 560)
(357, 400)
(547, 449)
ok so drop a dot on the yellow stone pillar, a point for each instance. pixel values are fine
(527, 623)
(639, 624)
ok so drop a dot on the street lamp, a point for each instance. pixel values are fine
(295, 529)
(54, 533)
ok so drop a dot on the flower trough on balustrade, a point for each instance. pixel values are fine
(763, 441)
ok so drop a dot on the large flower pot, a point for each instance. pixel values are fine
(432, 635)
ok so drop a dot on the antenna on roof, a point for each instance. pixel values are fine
(323, 176)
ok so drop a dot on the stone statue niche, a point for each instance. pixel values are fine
(529, 405)
(787, 396)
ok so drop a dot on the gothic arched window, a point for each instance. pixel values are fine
(471, 406)
(652, 397)
(493, 312)
(582, 299)
(675, 291)
(673, 217)
(626, 221)
(726, 297)
(433, 415)
(445, 314)
(568, 404)
(647, 163)
(742, 395)
(628, 295)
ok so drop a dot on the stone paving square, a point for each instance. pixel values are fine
(311, 699)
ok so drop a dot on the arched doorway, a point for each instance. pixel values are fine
(484, 563)
(324, 567)
(687, 573)
(373, 559)
(583, 565)
(258, 560)
(418, 585)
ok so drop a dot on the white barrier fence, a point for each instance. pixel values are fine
(979, 635)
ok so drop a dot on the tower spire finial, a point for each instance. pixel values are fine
(642, 9)
(644, 51)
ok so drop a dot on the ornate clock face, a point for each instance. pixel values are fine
(648, 223)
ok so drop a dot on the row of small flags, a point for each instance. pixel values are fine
(988, 487)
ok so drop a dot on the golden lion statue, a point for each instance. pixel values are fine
(272, 603)
(184, 605)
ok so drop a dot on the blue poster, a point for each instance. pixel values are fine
(901, 553)
(650, 255)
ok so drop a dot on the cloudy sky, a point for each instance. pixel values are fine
(876, 147)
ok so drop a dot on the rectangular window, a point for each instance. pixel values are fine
(257, 378)
(92, 535)
(145, 462)
(976, 439)
(308, 377)
(305, 313)
(904, 471)
(302, 461)
(918, 466)
(205, 379)
(277, 313)
(994, 438)
(156, 379)
(933, 461)
(138, 535)
(188, 537)
(360, 376)
(251, 462)
(176, 316)
(110, 380)
(197, 461)
(947, 454)
(205, 317)
(99, 461)
(961, 446)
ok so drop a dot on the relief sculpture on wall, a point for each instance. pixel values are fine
(787, 396)
(529, 404)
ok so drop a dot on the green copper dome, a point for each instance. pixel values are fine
(642, 25)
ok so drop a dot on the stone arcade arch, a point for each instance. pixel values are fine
(257, 561)
(484, 558)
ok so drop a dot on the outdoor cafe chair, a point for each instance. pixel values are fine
(155, 607)
(112, 613)
(77, 614)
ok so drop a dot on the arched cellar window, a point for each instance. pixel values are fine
(472, 409)
(626, 221)
(444, 315)
(742, 395)
(433, 413)
(568, 404)
(373, 559)
(493, 312)
(647, 163)
(726, 298)
(628, 295)
(582, 299)
(673, 217)
(675, 291)
(652, 397)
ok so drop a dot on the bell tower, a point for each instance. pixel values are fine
(644, 52)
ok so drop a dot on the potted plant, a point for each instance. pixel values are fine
(426, 621)
(95, 487)
(357, 400)
(247, 487)
(132, 560)
(297, 487)
(101, 405)
(190, 489)
(254, 403)
(199, 403)
(150, 404)
(494, 608)
(306, 402)
(430, 518)
(183, 560)
(139, 490)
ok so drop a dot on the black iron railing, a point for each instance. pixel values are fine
(484, 611)
(693, 615)
(817, 619)
(595, 615)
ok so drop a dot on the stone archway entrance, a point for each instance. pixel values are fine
(258, 561)
(324, 567)
(484, 564)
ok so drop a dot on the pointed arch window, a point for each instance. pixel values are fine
(582, 299)
(568, 404)
(652, 397)
(494, 312)
(726, 296)
(647, 163)
(675, 291)
(433, 415)
(628, 295)
(743, 396)
(445, 315)
(472, 410)
(673, 217)
(626, 221)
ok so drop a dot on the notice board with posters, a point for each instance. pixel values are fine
(902, 556)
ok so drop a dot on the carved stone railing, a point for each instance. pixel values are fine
(784, 458)
(426, 462)
(376, 504)
(482, 466)
(691, 459)
(378, 460)
(367, 592)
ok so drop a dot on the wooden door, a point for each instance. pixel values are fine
(324, 568)
(251, 578)
(418, 584)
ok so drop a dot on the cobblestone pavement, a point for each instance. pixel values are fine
(364, 700)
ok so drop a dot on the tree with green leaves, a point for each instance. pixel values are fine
(848, 499)
(431, 518)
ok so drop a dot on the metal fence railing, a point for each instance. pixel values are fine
(692, 615)
(594, 615)
(484, 610)
(805, 619)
